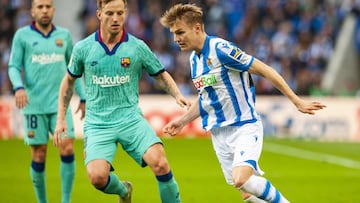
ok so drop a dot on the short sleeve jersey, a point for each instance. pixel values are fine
(44, 60)
(112, 76)
(226, 93)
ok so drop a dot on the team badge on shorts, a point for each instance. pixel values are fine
(125, 62)
(31, 134)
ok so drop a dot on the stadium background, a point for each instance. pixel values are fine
(304, 40)
(313, 44)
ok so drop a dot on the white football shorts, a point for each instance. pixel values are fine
(237, 146)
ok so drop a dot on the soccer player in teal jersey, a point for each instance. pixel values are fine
(111, 61)
(221, 72)
(41, 52)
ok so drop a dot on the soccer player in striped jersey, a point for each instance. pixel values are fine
(221, 72)
(41, 51)
(111, 61)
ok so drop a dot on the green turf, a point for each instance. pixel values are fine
(197, 172)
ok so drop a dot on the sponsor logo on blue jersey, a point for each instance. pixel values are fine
(205, 81)
(110, 81)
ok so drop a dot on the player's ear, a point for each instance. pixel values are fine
(198, 27)
(98, 14)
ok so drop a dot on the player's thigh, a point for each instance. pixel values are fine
(137, 138)
(36, 128)
(223, 153)
(247, 142)
(238, 146)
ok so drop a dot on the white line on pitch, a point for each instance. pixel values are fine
(315, 156)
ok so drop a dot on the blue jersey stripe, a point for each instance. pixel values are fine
(247, 95)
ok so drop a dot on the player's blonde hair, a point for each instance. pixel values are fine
(190, 13)
(101, 3)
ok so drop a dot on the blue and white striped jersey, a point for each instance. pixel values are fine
(226, 92)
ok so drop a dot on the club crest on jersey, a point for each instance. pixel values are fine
(208, 62)
(125, 62)
(59, 42)
(31, 134)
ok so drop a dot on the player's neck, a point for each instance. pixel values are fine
(44, 29)
(110, 40)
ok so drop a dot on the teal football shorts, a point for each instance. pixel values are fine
(38, 126)
(135, 137)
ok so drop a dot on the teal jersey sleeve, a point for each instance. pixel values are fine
(16, 59)
(151, 63)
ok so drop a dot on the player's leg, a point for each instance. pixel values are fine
(108, 182)
(247, 145)
(36, 135)
(37, 171)
(67, 157)
(225, 156)
(141, 142)
(168, 187)
(98, 159)
(247, 197)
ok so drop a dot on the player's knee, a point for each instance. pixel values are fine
(97, 179)
(240, 179)
(160, 166)
(239, 182)
(39, 153)
(67, 147)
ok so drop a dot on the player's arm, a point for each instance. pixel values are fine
(260, 68)
(167, 83)
(14, 71)
(175, 126)
(80, 90)
(65, 94)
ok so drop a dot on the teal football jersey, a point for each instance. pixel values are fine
(112, 76)
(38, 64)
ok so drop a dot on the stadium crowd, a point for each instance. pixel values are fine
(297, 38)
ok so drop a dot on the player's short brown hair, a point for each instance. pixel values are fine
(101, 3)
(190, 13)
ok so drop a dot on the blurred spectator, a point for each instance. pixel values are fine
(295, 37)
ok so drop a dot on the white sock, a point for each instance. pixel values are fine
(253, 199)
(263, 189)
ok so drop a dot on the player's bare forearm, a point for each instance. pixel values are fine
(278, 81)
(192, 114)
(260, 68)
(167, 83)
(65, 94)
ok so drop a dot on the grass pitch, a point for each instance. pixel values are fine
(304, 171)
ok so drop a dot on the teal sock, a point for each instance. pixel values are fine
(67, 174)
(114, 186)
(168, 188)
(37, 174)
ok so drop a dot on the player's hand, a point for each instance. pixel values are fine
(21, 99)
(310, 107)
(60, 130)
(173, 127)
(81, 108)
(183, 102)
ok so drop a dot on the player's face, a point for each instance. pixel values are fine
(112, 16)
(42, 12)
(186, 36)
